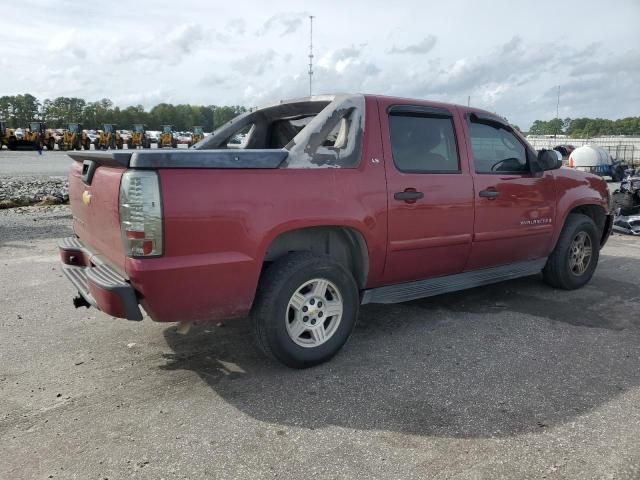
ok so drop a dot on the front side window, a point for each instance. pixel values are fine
(423, 144)
(496, 149)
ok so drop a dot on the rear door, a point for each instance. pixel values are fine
(515, 210)
(430, 192)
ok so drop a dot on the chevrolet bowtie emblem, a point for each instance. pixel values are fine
(86, 197)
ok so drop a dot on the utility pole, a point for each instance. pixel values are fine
(558, 112)
(468, 100)
(311, 17)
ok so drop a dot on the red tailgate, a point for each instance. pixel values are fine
(96, 219)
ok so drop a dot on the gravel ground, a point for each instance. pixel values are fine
(22, 191)
(514, 380)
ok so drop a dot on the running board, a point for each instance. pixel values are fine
(404, 292)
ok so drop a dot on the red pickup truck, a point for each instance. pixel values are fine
(297, 213)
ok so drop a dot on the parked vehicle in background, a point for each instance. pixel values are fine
(125, 135)
(139, 137)
(183, 138)
(109, 138)
(565, 150)
(7, 136)
(152, 135)
(74, 138)
(93, 138)
(197, 135)
(330, 202)
(167, 139)
(594, 159)
(35, 137)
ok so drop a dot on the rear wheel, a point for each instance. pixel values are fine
(305, 309)
(12, 144)
(575, 258)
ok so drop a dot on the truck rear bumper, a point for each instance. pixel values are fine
(99, 284)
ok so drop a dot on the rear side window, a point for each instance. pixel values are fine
(332, 139)
(496, 150)
(241, 138)
(423, 144)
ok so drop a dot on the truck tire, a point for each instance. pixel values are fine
(575, 257)
(305, 309)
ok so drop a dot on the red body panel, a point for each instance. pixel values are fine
(219, 223)
(98, 222)
(432, 236)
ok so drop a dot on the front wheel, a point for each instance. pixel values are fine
(575, 258)
(305, 309)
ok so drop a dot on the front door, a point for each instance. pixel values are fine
(430, 192)
(515, 210)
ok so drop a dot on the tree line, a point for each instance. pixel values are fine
(19, 110)
(586, 127)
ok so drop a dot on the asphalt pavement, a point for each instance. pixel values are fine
(29, 163)
(514, 380)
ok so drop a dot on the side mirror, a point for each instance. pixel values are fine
(547, 160)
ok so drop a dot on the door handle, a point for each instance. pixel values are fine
(490, 194)
(408, 196)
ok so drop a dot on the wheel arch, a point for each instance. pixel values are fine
(344, 243)
(593, 210)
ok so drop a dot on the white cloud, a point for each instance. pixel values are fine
(208, 53)
(422, 47)
(283, 23)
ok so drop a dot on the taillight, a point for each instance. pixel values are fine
(141, 213)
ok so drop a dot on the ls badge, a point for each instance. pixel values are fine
(86, 197)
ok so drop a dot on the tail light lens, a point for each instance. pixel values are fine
(141, 214)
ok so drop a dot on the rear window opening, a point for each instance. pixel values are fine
(266, 128)
(318, 132)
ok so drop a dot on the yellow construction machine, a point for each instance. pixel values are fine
(36, 137)
(74, 138)
(109, 138)
(166, 138)
(139, 137)
(7, 136)
(196, 135)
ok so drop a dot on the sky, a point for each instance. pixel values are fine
(509, 57)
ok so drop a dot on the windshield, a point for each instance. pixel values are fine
(166, 129)
(138, 128)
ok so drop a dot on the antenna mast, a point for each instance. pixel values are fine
(311, 17)
(558, 124)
